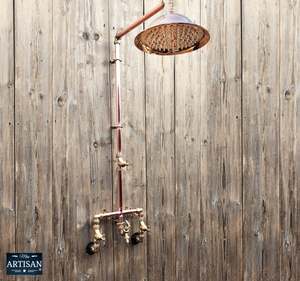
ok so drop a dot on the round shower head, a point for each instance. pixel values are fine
(172, 34)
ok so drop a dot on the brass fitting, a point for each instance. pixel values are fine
(143, 226)
(141, 237)
(117, 40)
(98, 234)
(124, 231)
(121, 229)
(100, 216)
(96, 247)
(121, 163)
(127, 237)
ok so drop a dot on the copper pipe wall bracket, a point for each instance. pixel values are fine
(121, 163)
(117, 127)
(114, 61)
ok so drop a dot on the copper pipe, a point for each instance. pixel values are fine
(141, 20)
(115, 214)
(133, 211)
(119, 144)
(118, 98)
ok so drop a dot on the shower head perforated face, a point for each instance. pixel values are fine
(172, 34)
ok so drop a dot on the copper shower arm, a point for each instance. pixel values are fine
(141, 20)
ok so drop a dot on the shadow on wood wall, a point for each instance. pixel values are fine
(212, 138)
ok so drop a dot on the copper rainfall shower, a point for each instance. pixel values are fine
(169, 34)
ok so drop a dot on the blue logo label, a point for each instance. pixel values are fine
(24, 264)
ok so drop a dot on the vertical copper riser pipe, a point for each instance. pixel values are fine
(119, 144)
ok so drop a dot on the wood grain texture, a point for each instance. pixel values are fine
(33, 132)
(63, 73)
(129, 260)
(187, 157)
(289, 95)
(160, 140)
(221, 154)
(212, 138)
(82, 138)
(261, 140)
(7, 188)
(221, 177)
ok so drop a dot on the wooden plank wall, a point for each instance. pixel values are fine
(7, 136)
(212, 138)
(289, 142)
(261, 132)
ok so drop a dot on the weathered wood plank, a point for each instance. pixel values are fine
(7, 187)
(289, 140)
(160, 167)
(222, 155)
(188, 238)
(159, 73)
(33, 132)
(94, 81)
(182, 135)
(187, 156)
(81, 127)
(130, 262)
(261, 139)
(63, 80)
(101, 156)
(215, 103)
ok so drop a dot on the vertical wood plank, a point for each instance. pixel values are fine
(130, 261)
(160, 141)
(33, 141)
(82, 138)
(7, 184)
(187, 168)
(220, 142)
(261, 139)
(222, 115)
(101, 158)
(63, 89)
(93, 82)
(289, 140)
(187, 153)
(160, 167)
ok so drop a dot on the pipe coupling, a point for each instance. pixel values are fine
(127, 237)
(121, 162)
(124, 230)
(96, 247)
(98, 234)
(121, 229)
(143, 226)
